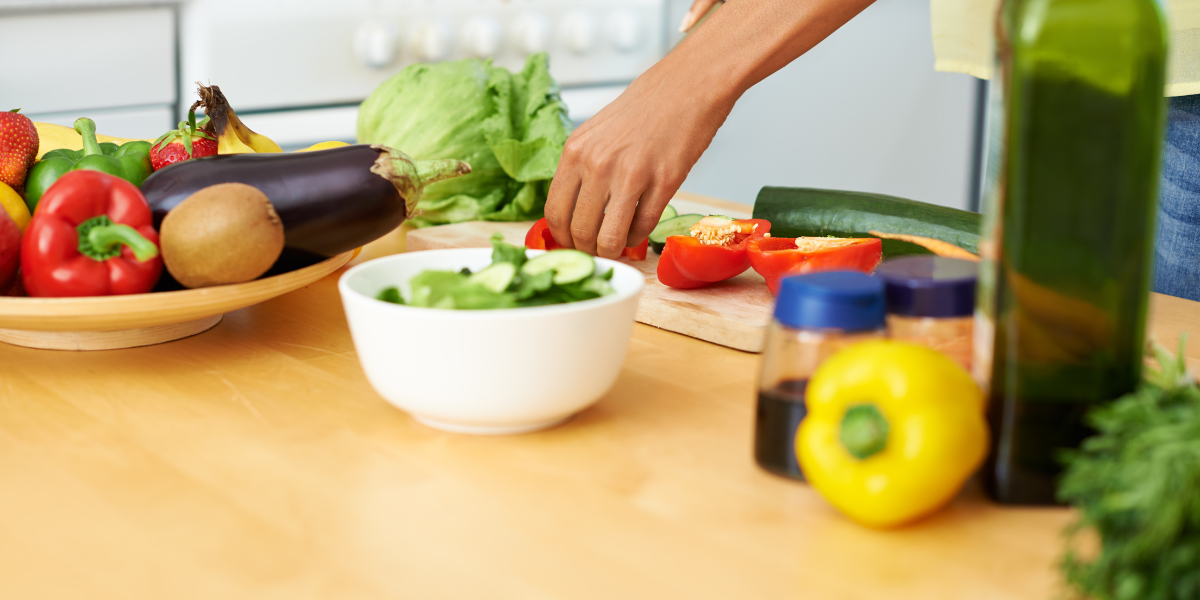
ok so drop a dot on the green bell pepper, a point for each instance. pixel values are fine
(129, 161)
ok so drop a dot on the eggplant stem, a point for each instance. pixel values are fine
(433, 171)
(410, 176)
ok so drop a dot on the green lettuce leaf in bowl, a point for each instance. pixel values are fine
(510, 127)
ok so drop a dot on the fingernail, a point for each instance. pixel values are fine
(688, 20)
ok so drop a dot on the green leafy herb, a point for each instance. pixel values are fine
(1137, 485)
(390, 294)
(475, 297)
(529, 286)
(505, 252)
(432, 288)
(459, 290)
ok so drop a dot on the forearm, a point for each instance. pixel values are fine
(620, 168)
(747, 40)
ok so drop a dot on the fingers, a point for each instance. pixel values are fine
(589, 212)
(614, 233)
(561, 198)
(699, 9)
(650, 208)
(634, 212)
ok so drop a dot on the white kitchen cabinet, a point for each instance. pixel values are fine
(114, 65)
(139, 123)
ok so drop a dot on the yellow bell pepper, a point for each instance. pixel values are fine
(893, 431)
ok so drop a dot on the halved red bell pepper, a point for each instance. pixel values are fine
(90, 236)
(539, 237)
(775, 258)
(715, 251)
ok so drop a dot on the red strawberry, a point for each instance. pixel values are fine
(18, 147)
(191, 140)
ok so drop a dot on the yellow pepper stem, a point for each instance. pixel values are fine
(864, 431)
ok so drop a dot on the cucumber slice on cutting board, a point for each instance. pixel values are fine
(496, 277)
(678, 225)
(668, 213)
(569, 265)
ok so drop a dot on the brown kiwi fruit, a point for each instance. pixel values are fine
(224, 233)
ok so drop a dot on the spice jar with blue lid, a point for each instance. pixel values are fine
(931, 301)
(816, 314)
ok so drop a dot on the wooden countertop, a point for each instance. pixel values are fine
(255, 461)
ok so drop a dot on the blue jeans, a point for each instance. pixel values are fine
(1177, 249)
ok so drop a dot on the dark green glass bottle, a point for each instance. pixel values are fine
(1073, 167)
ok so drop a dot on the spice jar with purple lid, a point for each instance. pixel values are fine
(931, 301)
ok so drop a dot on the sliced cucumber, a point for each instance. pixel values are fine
(496, 277)
(674, 226)
(668, 213)
(569, 266)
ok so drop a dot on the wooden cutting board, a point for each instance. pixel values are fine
(733, 313)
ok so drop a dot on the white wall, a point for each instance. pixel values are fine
(862, 111)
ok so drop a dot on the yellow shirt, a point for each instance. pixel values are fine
(963, 40)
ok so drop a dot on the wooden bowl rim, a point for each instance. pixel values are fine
(99, 305)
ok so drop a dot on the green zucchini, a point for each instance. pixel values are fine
(797, 212)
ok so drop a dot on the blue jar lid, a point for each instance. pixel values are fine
(929, 286)
(846, 300)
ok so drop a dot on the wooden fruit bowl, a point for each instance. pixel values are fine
(109, 322)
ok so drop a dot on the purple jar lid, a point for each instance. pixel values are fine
(929, 286)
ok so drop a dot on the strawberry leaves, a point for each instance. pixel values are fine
(188, 131)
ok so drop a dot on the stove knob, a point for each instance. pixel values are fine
(481, 36)
(375, 44)
(431, 41)
(531, 33)
(579, 32)
(625, 30)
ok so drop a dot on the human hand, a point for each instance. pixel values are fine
(620, 169)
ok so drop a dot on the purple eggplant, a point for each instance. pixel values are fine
(330, 201)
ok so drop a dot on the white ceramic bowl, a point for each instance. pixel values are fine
(486, 371)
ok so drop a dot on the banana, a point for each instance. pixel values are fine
(232, 144)
(324, 146)
(233, 137)
(57, 137)
(257, 141)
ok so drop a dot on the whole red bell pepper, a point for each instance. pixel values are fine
(715, 251)
(775, 258)
(539, 237)
(90, 236)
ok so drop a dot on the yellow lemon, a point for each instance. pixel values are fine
(14, 205)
